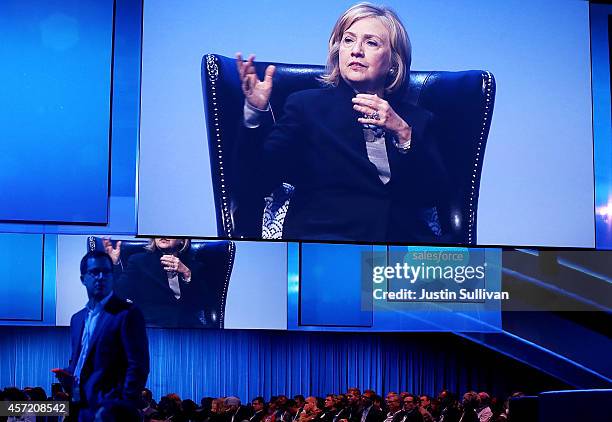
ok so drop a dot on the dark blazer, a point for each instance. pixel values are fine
(399, 416)
(117, 363)
(144, 281)
(257, 416)
(325, 416)
(319, 147)
(374, 415)
(413, 416)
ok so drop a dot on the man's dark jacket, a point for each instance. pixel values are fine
(117, 362)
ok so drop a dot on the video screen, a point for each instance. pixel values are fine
(55, 111)
(378, 288)
(469, 149)
(195, 283)
(183, 283)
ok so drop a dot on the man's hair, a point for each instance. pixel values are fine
(485, 399)
(299, 397)
(94, 255)
(416, 400)
(355, 390)
(471, 399)
(259, 399)
(401, 49)
(232, 401)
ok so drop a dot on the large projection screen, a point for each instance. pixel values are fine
(537, 181)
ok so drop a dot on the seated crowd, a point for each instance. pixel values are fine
(350, 407)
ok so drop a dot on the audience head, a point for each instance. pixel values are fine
(425, 401)
(485, 399)
(146, 396)
(446, 398)
(311, 404)
(329, 402)
(232, 403)
(258, 404)
(411, 402)
(217, 405)
(189, 407)
(471, 400)
(299, 400)
(341, 401)
(354, 396)
(206, 403)
(36, 393)
(292, 406)
(393, 402)
(281, 402)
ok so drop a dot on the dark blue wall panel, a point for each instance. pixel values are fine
(55, 110)
(21, 279)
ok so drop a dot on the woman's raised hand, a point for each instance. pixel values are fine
(113, 252)
(256, 92)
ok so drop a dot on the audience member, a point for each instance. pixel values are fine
(470, 403)
(329, 410)
(411, 409)
(485, 414)
(394, 406)
(234, 411)
(370, 412)
(311, 409)
(299, 402)
(259, 407)
(449, 411)
(473, 408)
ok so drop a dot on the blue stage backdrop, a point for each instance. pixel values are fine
(199, 363)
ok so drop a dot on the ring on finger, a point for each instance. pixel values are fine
(375, 115)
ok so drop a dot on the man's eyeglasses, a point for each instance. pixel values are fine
(97, 272)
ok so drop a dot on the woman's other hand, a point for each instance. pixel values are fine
(113, 252)
(256, 92)
(173, 263)
(378, 112)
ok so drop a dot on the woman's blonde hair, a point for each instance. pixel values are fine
(186, 243)
(401, 49)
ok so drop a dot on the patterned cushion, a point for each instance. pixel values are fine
(275, 211)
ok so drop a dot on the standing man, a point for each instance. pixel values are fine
(110, 350)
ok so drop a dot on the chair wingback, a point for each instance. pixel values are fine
(216, 256)
(462, 101)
